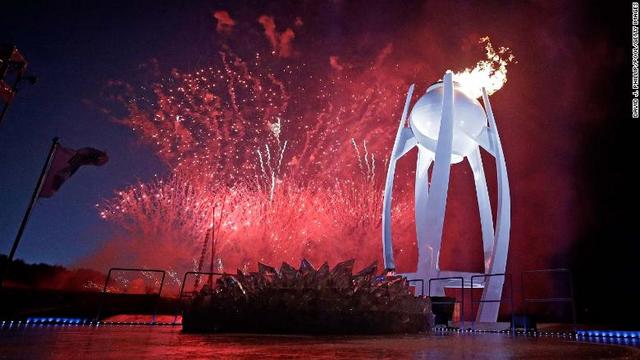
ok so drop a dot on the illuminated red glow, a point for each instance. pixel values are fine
(292, 161)
(224, 21)
(280, 41)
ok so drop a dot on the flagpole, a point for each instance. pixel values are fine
(32, 203)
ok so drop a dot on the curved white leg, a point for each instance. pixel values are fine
(484, 206)
(433, 218)
(403, 143)
(488, 312)
(387, 244)
(425, 257)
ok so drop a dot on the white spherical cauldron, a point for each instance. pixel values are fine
(468, 116)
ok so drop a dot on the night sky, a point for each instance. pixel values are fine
(564, 114)
(75, 49)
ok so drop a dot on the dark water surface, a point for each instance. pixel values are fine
(153, 342)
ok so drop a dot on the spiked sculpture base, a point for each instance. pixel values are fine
(309, 301)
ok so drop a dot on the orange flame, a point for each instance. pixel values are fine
(490, 73)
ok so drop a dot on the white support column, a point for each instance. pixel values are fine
(488, 312)
(425, 158)
(437, 201)
(404, 140)
(484, 206)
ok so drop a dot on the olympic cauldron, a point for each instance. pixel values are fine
(308, 301)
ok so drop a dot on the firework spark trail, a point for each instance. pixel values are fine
(272, 178)
(264, 172)
(284, 148)
(358, 156)
(369, 162)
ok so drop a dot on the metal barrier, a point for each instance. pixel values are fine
(569, 299)
(421, 281)
(451, 302)
(106, 282)
(473, 301)
(184, 281)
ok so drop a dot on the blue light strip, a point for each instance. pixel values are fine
(55, 320)
(633, 336)
(609, 333)
(588, 334)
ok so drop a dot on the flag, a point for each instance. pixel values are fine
(65, 163)
(11, 61)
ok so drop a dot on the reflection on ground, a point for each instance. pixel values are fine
(118, 342)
